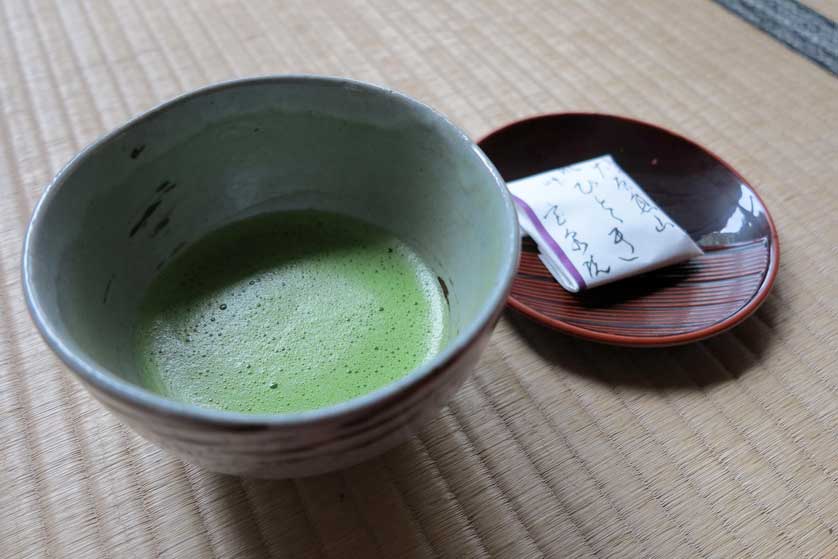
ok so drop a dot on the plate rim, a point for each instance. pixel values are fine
(655, 341)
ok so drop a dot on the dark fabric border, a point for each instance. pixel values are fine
(794, 24)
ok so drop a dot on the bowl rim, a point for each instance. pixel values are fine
(658, 341)
(134, 395)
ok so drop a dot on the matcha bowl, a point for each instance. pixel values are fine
(114, 217)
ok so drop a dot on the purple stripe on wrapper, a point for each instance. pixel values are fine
(551, 243)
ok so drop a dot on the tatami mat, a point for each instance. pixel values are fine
(555, 447)
(827, 8)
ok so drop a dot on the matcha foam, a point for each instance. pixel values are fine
(288, 312)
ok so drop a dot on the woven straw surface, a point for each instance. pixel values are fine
(555, 447)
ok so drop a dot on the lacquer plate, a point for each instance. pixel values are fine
(719, 209)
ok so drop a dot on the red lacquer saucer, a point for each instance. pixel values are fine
(718, 208)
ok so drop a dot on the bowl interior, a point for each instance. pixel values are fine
(128, 204)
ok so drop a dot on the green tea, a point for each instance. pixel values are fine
(288, 312)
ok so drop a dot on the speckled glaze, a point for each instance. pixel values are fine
(112, 218)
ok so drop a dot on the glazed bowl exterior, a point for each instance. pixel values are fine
(119, 211)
